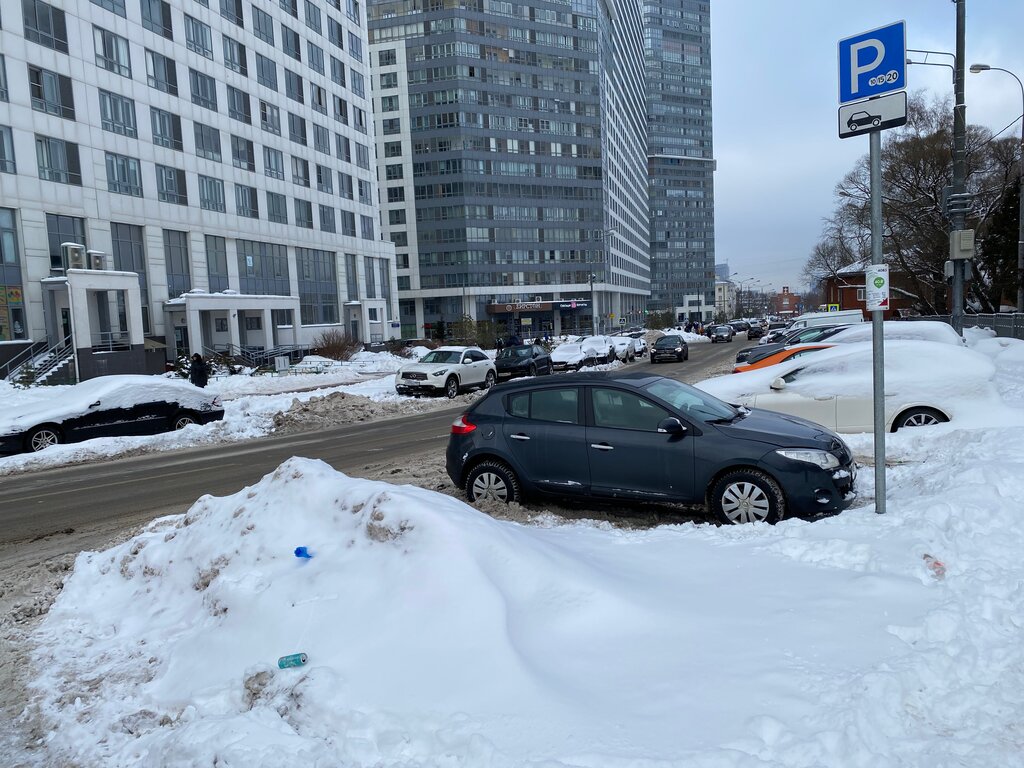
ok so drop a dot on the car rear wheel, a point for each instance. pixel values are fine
(183, 419)
(532, 371)
(489, 380)
(493, 480)
(43, 437)
(918, 417)
(451, 387)
(747, 496)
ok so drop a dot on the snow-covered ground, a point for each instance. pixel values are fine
(438, 636)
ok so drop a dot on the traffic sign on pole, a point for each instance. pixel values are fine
(889, 111)
(873, 63)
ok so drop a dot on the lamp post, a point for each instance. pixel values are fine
(976, 68)
(593, 304)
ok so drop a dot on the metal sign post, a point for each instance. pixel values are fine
(877, 330)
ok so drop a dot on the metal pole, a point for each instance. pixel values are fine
(593, 308)
(959, 158)
(1020, 214)
(877, 338)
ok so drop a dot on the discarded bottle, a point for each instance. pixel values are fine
(292, 660)
(303, 552)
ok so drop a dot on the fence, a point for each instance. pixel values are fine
(1005, 324)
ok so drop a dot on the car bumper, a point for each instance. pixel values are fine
(418, 387)
(12, 443)
(813, 492)
(666, 355)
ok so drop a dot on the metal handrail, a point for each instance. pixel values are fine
(36, 348)
(110, 341)
(38, 359)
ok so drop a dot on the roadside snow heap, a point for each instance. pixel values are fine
(435, 635)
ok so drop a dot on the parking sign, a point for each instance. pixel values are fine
(873, 63)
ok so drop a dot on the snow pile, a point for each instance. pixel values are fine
(438, 636)
(689, 338)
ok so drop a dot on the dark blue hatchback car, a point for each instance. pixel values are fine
(643, 437)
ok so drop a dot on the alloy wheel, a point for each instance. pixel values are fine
(745, 502)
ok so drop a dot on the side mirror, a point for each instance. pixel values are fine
(779, 384)
(671, 426)
(94, 405)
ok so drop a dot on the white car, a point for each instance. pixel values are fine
(590, 350)
(926, 382)
(625, 348)
(907, 330)
(446, 369)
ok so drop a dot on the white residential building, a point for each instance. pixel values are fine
(221, 150)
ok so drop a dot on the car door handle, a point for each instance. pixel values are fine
(602, 446)
(826, 397)
(520, 436)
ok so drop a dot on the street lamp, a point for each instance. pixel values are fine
(593, 303)
(975, 69)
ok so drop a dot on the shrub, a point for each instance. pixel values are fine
(336, 344)
(397, 347)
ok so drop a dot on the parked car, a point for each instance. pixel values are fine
(522, 360)
(625, 348)
(925, 383)
(670, 347)
(756, 331)
(641, 345)
(909, 330)
(799, 336)
(780, 356)
(739, 325)
(447, 370)
(590, 350)
(721, 333)
(634, 435)
(107, 406)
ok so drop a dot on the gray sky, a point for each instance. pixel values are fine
(775, 76)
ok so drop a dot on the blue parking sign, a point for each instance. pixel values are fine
(873, 63)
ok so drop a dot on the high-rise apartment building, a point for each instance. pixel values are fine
(190, 172)
(511, 146)
(680, 160)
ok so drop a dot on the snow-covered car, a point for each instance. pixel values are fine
(107, 406)
(588, 351)
(908, 330)
(603, 347)
(625, 348)
(926, 382)
(447, 370)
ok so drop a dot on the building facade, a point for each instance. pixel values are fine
(680, 161)
(511, 146)
(220, 151)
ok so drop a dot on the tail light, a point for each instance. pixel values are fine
(462, 425)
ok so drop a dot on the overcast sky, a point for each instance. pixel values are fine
(775, 78)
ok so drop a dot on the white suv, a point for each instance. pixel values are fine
(448, 370)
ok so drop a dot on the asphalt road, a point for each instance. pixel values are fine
(113, 494)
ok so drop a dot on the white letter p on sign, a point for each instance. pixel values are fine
(855, 69)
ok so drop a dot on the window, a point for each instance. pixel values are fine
(400, 239)
(300, 171)
(355, 46)
(204, 89)
(366, 227)
(318, 286)
(348, 223)
(362, 156)
(129, 252)
(290, 42)
(360, 119)
(114, 6)
(124, 176)
(325, 179)
(179, 278)
(371, 277)
(390, 126)
(393, 171)
(217, 264)
(290, 6)
(616, 409)
(326, 219)
(303, 213)
(3, 79)
(396, 218)
(58, 160)
(211, 194)
(7, 150)
(277, 208)
(273, 163)
(235, 57)
(246, 203)
(238, 105)
(404, 283)
(263, 25)
(262, 268)
(860, 294)
(166, 128)
(338, 72)
(266, 72)
(561, 405)
(321, 139)
(315, 56)
(341, 110)
(170, 185)
(242, 154)
(63, 229)
(293, 86)
(345, 189)
(232, 11)
(364, 192)
(270, 118)
(51, 92)
(392, 149)
(117, 114)
(336, 33)
(389, 104)
(198, 37)
(352, 10)
(297, 129)
(161, 73)
(387, 57)
(318, 98)
(45, 25)
(313, 17)
(396, 194)
(112, 52)
(254, 323)
(207, 141)
(156, 17)
(344, 147)
(389, 80)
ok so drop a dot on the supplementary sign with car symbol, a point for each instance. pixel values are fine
(873, 115)
(872, 65)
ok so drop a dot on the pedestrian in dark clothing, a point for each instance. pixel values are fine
(514, 340)
(198, 373)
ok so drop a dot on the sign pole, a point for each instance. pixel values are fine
(877, 338)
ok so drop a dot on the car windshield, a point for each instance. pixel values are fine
(441, 356)
(667, 341)
(693, 402)
(722, 329)
(509, 353)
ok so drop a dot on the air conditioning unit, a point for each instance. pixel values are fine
(76, 258)
(97, 260)
(538, 298)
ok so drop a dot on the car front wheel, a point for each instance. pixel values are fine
(918, 417)
(182, 420)
(43, 437)
(451, 387)
(493, 480)
(747, 496)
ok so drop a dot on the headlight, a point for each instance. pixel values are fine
(822, 459)
(442, 372)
